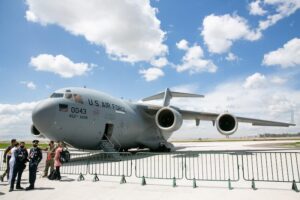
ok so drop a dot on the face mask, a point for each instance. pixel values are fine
(34, 145)
(21, 147)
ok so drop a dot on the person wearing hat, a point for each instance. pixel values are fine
(35, 157)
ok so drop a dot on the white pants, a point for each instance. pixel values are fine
(11, 169)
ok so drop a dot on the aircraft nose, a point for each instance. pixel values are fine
(43, 115)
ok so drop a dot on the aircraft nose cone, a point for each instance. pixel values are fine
(43, 115)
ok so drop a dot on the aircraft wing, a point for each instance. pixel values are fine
(207, 116)
(192, 115)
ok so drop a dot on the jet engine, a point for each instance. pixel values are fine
(168, 119)
(226, 124)
(35, 132)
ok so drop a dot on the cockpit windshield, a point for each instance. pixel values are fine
(57, 95)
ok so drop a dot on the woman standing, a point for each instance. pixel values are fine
(57, 162)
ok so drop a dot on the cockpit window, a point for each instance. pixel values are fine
(78, 98)
(74, 97)
(68, 96)
(57, 95)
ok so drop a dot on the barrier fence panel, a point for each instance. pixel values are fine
(111, 164)
(2, 164)
(271, 166)
(77, 165)
(159, 165)
(211, 166)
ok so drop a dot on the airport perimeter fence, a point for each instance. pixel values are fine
(196, 166)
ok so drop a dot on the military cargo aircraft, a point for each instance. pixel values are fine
(92, 120)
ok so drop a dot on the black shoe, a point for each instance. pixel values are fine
(19, 188)
(29, 188)
(11, 189)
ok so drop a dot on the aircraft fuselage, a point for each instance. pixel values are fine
(82, 118)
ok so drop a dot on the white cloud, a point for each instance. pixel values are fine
(151, 74)
(29, 84)
(182, 44)
(30, 16)
(59, 64)
(284, 8)
(256, 9)
(193, 60)
(15, 120)
(219, 32)
(231, 57)
(287, 56)
(278, 80)
(255, 81)
(258, 80)
(160, 62)
(128, 30)
(188, 88)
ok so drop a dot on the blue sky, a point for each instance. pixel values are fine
(134, 49)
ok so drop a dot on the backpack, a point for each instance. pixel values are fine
(52, 175)
(64, 156)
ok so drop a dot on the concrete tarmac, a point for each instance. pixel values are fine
(109, 188)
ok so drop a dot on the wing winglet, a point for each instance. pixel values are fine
(167, 95)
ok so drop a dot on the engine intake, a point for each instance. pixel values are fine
(35, 131)
(226, 124)
(168, 119)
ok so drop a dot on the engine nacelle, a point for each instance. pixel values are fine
(36, 132)
(168, 119)
(226, 124)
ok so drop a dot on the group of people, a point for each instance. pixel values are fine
(16, 156)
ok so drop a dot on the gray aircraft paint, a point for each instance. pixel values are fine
(82, 124)
(131, 128)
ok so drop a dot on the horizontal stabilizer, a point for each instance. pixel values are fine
(168, 94)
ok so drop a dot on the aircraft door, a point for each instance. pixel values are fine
(108, 131)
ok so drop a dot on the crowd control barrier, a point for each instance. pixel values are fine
(197, 166)
(111, 164)
(159, 165)
(211, 166)
(271, 167)
(78, 164)
(2, 164)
